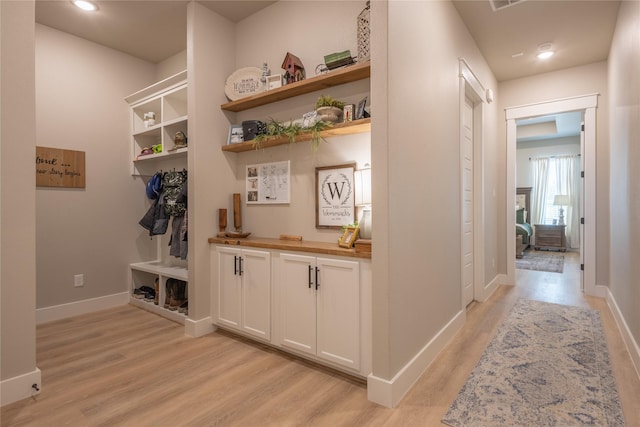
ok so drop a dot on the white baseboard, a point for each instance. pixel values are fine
(600, 291)
(627, 337)
(500, 279)
(20, 387)
(389, 392)
(198, 328)
(62, 311)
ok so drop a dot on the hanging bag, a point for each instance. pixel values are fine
(172, 184)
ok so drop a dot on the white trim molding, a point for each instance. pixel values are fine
(627, 336)
(467, 74)
(588, 104)
(389, 392)
(198, 328)
(20, 387)
(76, 308)
(490, 288)
(470, 87)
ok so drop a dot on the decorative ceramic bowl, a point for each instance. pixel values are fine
(329, 114)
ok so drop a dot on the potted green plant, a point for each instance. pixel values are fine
(329, 109)
(291, 129)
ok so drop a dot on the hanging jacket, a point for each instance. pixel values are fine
(156, 219)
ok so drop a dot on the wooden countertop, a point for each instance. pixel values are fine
(300, 246)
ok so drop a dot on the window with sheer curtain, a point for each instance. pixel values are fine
(559, 175)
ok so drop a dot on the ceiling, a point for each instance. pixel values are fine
(549, 127)
(153, 30)
(580, 30)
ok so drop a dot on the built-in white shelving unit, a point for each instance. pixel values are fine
(167, 99)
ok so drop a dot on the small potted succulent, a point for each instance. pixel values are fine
(329, 109)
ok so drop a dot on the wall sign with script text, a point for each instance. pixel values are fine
(335, 199)
(59, 168)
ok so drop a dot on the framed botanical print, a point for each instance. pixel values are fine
(335, 200)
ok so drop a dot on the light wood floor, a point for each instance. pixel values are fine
(128, 367)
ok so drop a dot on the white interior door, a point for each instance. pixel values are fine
(467, 203)
(582, 156)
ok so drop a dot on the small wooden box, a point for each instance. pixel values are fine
(363, 246)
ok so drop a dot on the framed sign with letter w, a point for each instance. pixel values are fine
(335, 206)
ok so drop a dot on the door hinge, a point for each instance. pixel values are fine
(581, 267)
(581, 220)
(581, 174)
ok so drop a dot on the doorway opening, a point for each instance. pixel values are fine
(549, 202)
(586, 105)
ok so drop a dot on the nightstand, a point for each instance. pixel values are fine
(550, 237)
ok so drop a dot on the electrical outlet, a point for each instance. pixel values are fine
(78, 280)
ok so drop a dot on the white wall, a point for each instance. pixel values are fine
(172, 65)
(624, 110)
(525, 151)
(80, 90)
(211, 179)
(17, 190)
(310, 42)
(417, 252)
(577, 81)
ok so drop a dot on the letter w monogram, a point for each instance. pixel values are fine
(334, 190)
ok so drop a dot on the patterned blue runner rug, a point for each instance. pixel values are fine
(541, 261)
(548, 365)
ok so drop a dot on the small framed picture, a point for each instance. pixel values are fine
(360, 113)
(268, 183)
(348, 237)
(273, 81)
(235, 134)
(347, 112)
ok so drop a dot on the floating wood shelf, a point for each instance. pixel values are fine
(349, 128)
(348, 74)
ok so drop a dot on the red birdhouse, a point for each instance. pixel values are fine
(294, 70)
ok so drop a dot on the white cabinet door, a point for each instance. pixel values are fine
(297, 293)
(255, 271)
(338, 312)
(229, 287)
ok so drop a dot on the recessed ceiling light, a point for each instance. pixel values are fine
(544, 51)
(85, 5)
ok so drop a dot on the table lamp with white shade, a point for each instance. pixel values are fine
(561, 200)
(363, 200)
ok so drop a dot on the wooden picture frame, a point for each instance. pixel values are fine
(360, 112)
(236, 134)
(335, 196)
(273, 81)
(349, 237)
